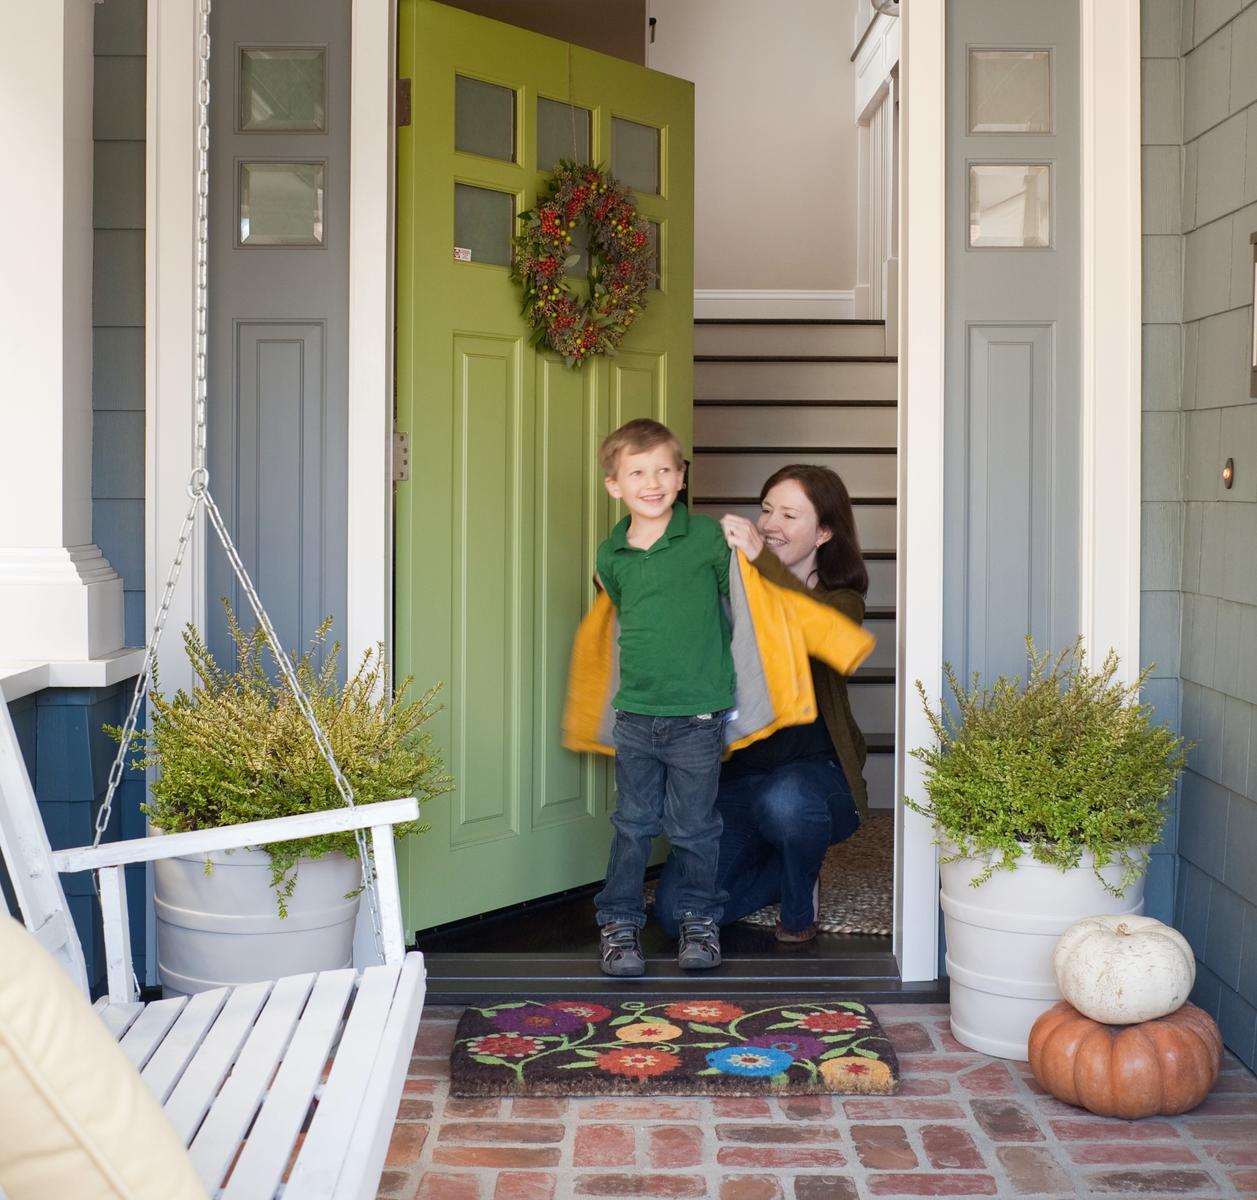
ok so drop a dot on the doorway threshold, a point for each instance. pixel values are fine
(548, 950)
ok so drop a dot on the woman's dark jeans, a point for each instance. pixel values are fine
(666, 773)
(777, 826)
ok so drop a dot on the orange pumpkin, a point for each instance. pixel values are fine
(1164, 1066)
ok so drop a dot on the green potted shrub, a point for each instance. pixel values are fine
(1046, 794)
(237, 748)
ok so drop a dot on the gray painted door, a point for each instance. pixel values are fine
(278, 280)
(1013, 331)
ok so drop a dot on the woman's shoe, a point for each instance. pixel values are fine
(796, 935)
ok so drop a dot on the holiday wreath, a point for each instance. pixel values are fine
(620, 263)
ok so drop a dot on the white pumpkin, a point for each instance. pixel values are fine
(1124, 969)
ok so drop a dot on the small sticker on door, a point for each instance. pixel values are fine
(462, 254)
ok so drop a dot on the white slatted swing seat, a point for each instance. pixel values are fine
(240, 1071)
(243, 1066)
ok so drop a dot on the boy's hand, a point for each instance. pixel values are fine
(741, 534)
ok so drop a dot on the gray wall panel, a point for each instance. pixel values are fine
(1013, 375)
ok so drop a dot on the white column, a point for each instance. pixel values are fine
(369, 619)
(1111, 332)
(919, 655)
(59, 597)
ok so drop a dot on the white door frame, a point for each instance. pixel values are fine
(170, 322)
(1111, 407)
(1111, 363)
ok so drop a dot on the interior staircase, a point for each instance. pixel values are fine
(772, 392)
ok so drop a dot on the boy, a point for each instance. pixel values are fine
(665, 571)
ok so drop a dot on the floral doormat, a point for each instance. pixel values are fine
(677, 1048)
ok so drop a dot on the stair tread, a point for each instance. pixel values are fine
(790, 321)
(856, 501)
(710, 403)
(796, 449)
(796, 358)
(872, 676)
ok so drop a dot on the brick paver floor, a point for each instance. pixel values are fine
(962, 1124)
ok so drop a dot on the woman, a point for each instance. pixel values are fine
(787, 799)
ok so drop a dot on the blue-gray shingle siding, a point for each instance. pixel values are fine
(1200, 540)
(118, 301)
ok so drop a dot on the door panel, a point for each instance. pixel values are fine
(1014, 318)
(504, 509)
(279, 315)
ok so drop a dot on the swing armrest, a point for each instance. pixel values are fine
(235, 837)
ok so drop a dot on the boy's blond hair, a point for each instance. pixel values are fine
(637, 437)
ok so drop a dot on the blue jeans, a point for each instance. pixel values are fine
(777, 826)
(666, 771)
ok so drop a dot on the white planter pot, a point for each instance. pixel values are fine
(1000, 938)
(224, 928)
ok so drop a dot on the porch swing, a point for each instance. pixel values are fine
(239, 1069)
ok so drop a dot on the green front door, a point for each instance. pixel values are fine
(504, 507)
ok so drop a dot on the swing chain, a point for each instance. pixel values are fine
(200, 497)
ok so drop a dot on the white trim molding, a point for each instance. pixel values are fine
(919, 587)
(170, 242)
(1111, 333)
(773, 304)
(24, 679)
(59, 597)
(170, 325)
(369, 586)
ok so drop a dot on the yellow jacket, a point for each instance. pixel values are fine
(774, 632)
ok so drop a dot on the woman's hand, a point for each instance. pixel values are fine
(741, 534)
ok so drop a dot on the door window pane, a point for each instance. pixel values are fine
(580, 247)
(484, 119)
(283, 88)
(656, 259)
(1009, 204)
(635, 155)
(483, 223)
(281, 203)
(1010, 91)
(562, 132)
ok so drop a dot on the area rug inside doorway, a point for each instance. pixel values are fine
(675, 1048)
(856, 883)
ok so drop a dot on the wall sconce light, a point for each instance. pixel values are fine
(1228, 473)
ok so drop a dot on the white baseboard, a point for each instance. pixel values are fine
(766, 304)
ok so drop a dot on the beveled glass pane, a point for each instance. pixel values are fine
(635, 155)
(483, 222)
(283, 87)
(484, 119)
(562, 132)
(281, 203)
(1010, 91)
(656, 232)
(1009, 204)
(580, 247)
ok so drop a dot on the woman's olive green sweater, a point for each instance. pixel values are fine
(831, 688)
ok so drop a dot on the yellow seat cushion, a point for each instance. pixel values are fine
(76, 1120)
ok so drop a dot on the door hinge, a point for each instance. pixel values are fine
(403, 102)
(401, 457)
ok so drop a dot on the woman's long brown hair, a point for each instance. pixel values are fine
(839, 561)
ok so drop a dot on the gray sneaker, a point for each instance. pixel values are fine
(700, 944)
(621, 951)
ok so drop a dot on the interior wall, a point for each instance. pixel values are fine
(616, 27)
(775, 138)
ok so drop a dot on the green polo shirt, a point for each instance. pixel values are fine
(674, 635)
